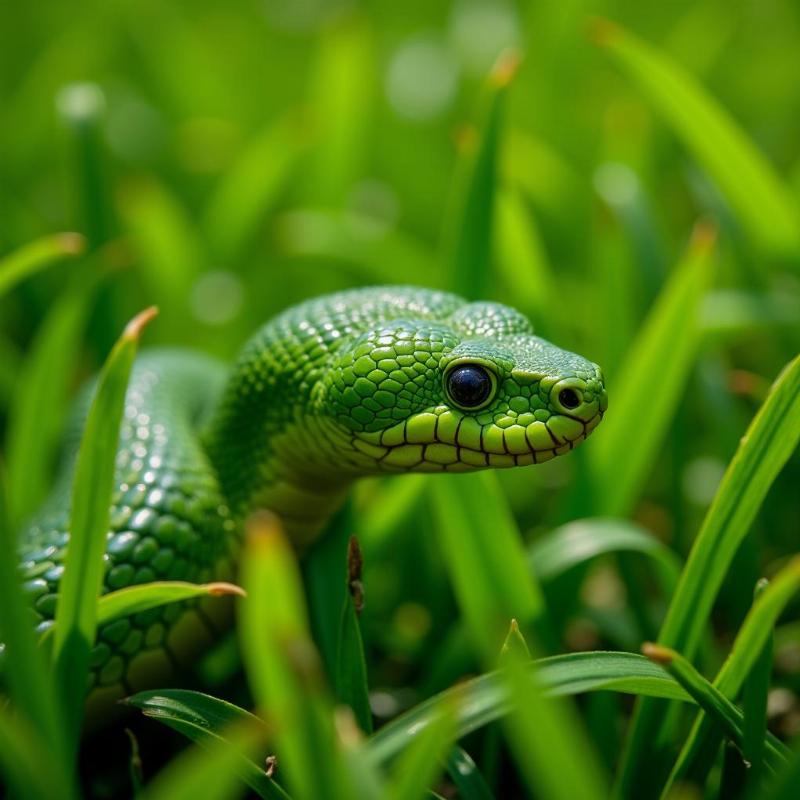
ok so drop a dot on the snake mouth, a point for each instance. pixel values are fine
(444, 442)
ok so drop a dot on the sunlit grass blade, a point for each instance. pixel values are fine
(76, 613)
(662, 356)
(30, 687)
(26, 762)
(747, 649)
(710, 699)
(351, 666)
(483, 553)
(761, 202)
(466, 776)
(485, 699)
(30, 258)
(342, 91)
(578, 542)
(169, 254)
(764, 449)
(368, 248)
(423, 760)
(252, 184)
(211, 771)
(40, 397)
(205, 720)
(469, 225)
(523, 264)
(547, 738)
(284, 669)
(135, 599)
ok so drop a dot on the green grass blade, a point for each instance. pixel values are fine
(754, 706)
(26, 762)
(169, 254)
(709, 698)
(135, 599)
(82, 108)
(750, 642)
(786, 783)
(771, 438)
(547, 738)
(284, 669)
(662, 356)
(523, 264)
(578, 542)
(36, 416)
(252, 184)
(484, 556)
(206, 720)
(76, 614)
(468, 229)
(31, 689)
(342, 92)
(351, 666)
(761, 202)
(417, 768)
(765, 448)
(33, 257)
(211, 771)
(485, 699)
(466, 776)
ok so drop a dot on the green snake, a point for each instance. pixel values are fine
(364, 382)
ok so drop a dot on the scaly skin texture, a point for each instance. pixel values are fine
(371, 381)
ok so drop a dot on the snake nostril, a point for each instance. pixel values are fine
(569, 398)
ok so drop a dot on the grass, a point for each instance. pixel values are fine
(497, 651)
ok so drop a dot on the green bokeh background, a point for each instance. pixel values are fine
(228, 159)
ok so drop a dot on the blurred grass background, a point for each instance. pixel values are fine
(226, 160)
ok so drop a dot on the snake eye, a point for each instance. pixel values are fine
(469, 385)
(569, 398)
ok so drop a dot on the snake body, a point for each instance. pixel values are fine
(364, 382)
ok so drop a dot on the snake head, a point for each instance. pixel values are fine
(475, 390)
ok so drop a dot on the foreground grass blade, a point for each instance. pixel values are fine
(76, 614)
(754, 705)
(27, 763)
(351, 666)
(578, 542)
(135, 599)
(763, 205)
(709, 698)
(418, 767)
(547, 738)
(31, 258)
(41, 394)
(466, 776)
(485, 699)
(211, 771)
(468, 246)
(284, 669)
(30, 688)
(662, 356)
(750, 641)
(765, 448)
(206, 720)
(483, 553)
